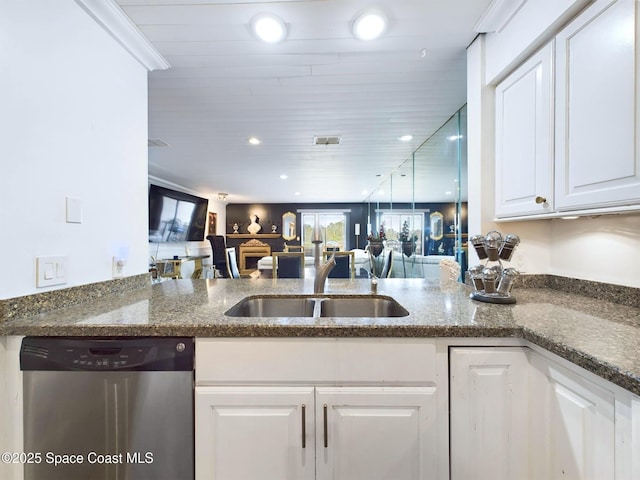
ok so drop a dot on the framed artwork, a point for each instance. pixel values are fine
(213, 218)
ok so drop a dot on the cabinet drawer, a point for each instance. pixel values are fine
(333, 360)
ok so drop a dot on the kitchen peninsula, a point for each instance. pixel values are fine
(597, 335)
(449, 359)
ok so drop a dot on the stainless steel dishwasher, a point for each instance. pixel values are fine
(108, 408)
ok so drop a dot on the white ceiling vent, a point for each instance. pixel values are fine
(326, 140)
(156, 142)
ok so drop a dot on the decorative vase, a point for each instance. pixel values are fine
(407, 248)
(375, 247)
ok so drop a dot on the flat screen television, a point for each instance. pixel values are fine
(176, 216)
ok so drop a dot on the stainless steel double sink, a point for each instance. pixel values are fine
(317, 306)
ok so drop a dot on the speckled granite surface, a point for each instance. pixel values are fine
(601, 336)
(56, 299)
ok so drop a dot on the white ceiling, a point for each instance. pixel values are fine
(225, 86)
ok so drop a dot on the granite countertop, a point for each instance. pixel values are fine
(600, 336)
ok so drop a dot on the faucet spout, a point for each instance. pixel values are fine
(322, 272)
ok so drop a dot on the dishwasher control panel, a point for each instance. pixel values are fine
(106, 354)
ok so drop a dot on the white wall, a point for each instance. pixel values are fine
(73, 123)
(603, 249)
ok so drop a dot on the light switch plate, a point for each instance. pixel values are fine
(51, 270)
(74, 210)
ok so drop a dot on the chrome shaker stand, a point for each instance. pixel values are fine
(491, 282)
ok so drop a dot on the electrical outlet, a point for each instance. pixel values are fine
(51, 271)
(118, 265)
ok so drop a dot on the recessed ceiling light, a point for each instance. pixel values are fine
(297, 193)
(254, 141)
(269, 28)
(283, 176)
(447, 193)
(405, 138)
(369, 25)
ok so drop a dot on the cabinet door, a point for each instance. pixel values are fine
(575, 432)
(524, 133)
(635, 437)
(246, 433)
(627, 436)
(377, 433)
(490, 413)
(596, 108)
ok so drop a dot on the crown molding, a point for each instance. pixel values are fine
(497, 15)
(109, 15)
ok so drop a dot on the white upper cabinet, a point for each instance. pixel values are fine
(596, 109)
(524, 133)
(567, 121)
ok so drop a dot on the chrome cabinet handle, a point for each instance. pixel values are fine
(304, 426)
(326, 436)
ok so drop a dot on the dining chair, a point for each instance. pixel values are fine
(387, 264)
(345, 264)
(218, 256)
(288, 264)
(232, 263)
(293, 248)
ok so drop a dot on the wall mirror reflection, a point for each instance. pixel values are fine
(289, 226)
(421, 205)
(436, 223)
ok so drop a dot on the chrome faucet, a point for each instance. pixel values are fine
(322, 271)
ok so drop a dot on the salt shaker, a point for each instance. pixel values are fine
(478, 243)
(490, 279)
(492, 242)
(476, 277)
(511, 241)
(506, 280)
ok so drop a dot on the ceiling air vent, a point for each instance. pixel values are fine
(156, 142)
(326, 140)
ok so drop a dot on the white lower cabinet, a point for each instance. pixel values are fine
(376, 433)
(489, 413)
(325, 409)
(373, 409)
(298, 433)
(254, 433)
(516, 414)
(575, 428)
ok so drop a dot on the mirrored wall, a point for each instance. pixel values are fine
(420, 207)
